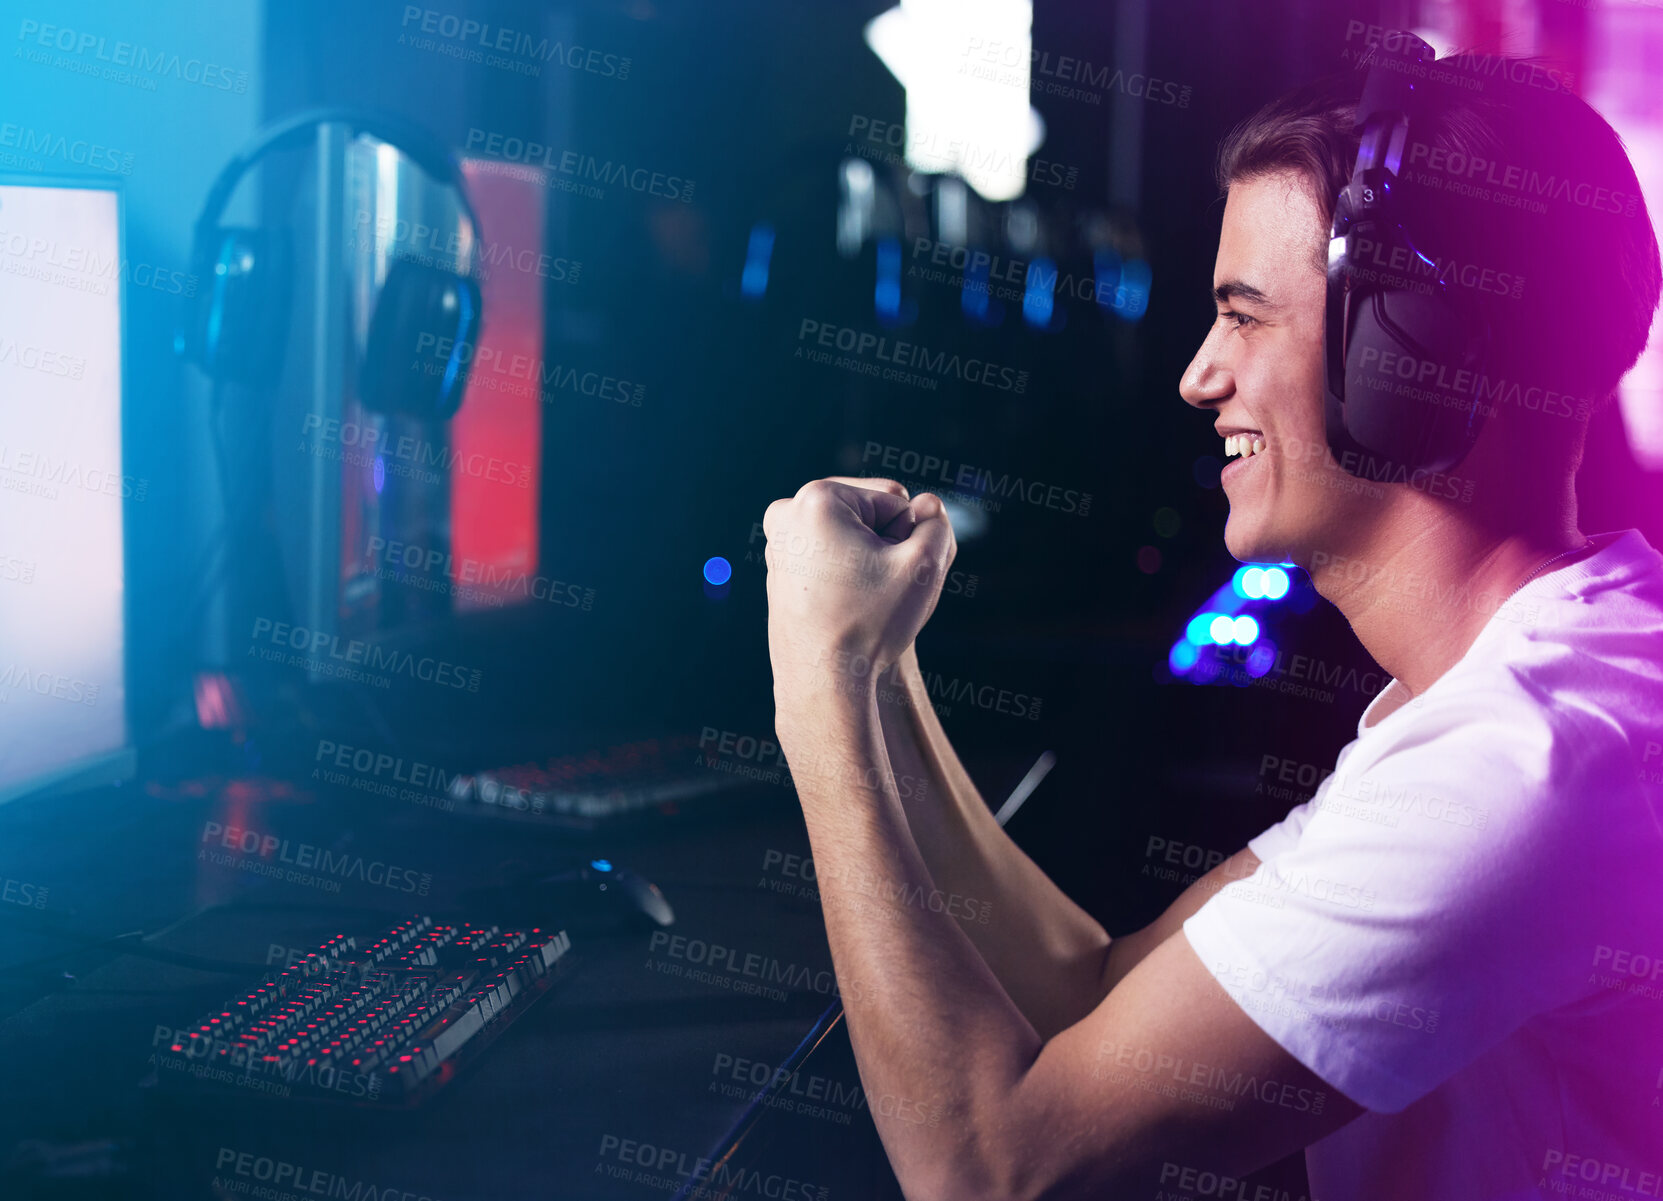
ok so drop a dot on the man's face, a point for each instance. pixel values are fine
(1260, 370)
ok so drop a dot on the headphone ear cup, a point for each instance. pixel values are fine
(422, 339)
(236, 329)
(1412, 371)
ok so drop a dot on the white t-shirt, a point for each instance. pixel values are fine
(1462, 930)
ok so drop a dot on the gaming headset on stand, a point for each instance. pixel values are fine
(235, 329)
(1379, 421)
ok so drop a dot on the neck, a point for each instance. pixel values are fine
(1418, 591)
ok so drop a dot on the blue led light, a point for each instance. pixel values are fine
(887, 295)
(1198, 632)
(601, 865)
(718, 570)
(1038, 301)
(758, 254)
(1182, 657)
(1244, 631)
(1250, 582)
(379, 473)
(1275, 583)
(1260, 659)
(1222, 629)
(1131, 295)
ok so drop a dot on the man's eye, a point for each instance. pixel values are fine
(1241, 320)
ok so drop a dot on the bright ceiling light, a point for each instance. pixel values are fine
(964, 64)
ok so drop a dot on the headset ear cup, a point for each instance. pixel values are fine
(422, 340)
(1412, 374)
(236, 329)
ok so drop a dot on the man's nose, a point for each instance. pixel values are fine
(1207, 379)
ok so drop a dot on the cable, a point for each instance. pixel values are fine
(728, 1145)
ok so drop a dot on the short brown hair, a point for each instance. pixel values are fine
(1512, 172)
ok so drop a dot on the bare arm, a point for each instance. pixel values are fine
(1047, 953)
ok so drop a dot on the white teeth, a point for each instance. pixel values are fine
(1243, 445)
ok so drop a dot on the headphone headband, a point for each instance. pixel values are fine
(409, 139)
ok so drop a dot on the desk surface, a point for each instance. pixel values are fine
(625, 1054)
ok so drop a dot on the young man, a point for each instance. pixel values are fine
(1443, 975)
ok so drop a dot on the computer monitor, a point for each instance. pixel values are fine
(63, 685)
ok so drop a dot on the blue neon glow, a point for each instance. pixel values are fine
(1222, 630)
(1130, 298)
(718, 570)
(758, 255)
(1260, 659)
(379, 474)
(975, 297)
(1038, 299)
(1276, 583)
(1199, 630)
(601, 865)
(1182, 656)
(887, 296)
(1249, 582)
(1245, 631)
(1106, 268)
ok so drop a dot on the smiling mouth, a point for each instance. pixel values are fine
(1245, 445)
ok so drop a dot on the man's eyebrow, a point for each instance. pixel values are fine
(1233, 288)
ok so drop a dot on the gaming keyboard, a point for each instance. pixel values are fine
(585, 791)
(381, 1021)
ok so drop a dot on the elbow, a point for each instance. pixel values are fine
(987, 1174)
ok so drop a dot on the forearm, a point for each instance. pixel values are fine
(1047, 952)
(933, 1031)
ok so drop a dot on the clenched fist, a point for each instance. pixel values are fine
(855, 568)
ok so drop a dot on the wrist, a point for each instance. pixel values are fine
(814, 700)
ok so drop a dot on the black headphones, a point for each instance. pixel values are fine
(235, 328)
(1402, 359)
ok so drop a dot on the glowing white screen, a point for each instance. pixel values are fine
(62, 676)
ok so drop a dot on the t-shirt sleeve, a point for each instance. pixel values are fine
(1440, 889)
(1285, 834)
